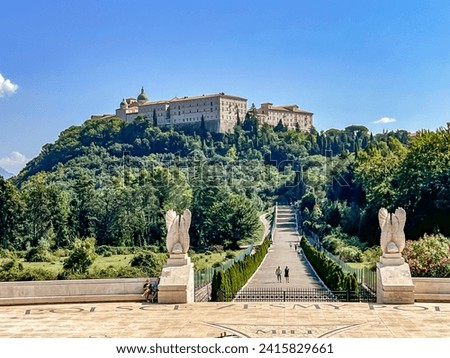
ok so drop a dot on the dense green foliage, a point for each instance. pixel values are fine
(429, 256)
(344, 198)
(113, 181)
(150, 261)
(226, 283)
(329, 271)
(81, 257)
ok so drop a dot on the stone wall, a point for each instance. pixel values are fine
(65, 291)
(428, 289)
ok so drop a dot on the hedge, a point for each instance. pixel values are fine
(332, 275)
(226, 283)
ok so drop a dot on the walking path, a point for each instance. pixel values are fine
(282, 253)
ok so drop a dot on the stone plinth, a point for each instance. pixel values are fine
(394, 281)
(177, 280)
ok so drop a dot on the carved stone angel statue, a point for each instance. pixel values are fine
(178, 231)
(392, 236)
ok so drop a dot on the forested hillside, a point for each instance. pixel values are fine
(114, 181)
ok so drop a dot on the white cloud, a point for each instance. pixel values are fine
(385, 120)
(7, 87)
(14, 162)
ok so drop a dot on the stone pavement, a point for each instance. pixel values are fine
(209, 320)
(282, 253)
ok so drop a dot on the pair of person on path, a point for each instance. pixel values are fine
(286, 274)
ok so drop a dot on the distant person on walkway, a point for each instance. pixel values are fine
(286, 274)
(278, 273)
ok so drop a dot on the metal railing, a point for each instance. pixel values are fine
(297, 295)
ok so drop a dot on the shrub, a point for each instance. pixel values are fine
(61, 252)
(230, 255)
(151, 262)
(349, 254)
(36, 274)
(429, 256)
(39, 254)
(329, 271)
(226, 283)
(100, 250)
(215, 248)
(8, 254)
(81, 257)
(371, 256)
(347, 248)
(12, 270)
(121, 272)
(121, 250)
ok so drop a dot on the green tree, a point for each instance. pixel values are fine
(39, 206)
(279, 127)
(231, 220)
(10, 210)
(81, 256)
(424, 184)
(155, 119)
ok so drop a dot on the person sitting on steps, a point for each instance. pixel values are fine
(146, 289)
(154, 291)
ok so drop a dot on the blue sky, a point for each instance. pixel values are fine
(349, 62)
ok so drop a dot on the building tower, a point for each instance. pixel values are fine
(142, 98)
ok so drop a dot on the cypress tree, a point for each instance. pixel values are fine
(155, 119)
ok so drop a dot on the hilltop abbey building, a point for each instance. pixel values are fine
(220, 112)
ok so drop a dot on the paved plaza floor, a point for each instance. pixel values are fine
(209, 320)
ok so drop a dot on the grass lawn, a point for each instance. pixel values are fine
(201, 261)
(358, 265)
(99, 263)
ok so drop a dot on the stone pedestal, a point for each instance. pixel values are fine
(177, 280)
(394, 282)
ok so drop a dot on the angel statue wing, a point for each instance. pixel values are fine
(172, 229)
(400, 214)
(185, 223)
(383, 219)
(399, 235)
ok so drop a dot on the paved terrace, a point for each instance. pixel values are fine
(282, 253)
(208, 320)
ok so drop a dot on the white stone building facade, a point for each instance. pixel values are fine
(220, 112)
(291, 116)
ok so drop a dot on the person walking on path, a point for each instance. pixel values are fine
(278, 273)
(286, 274)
